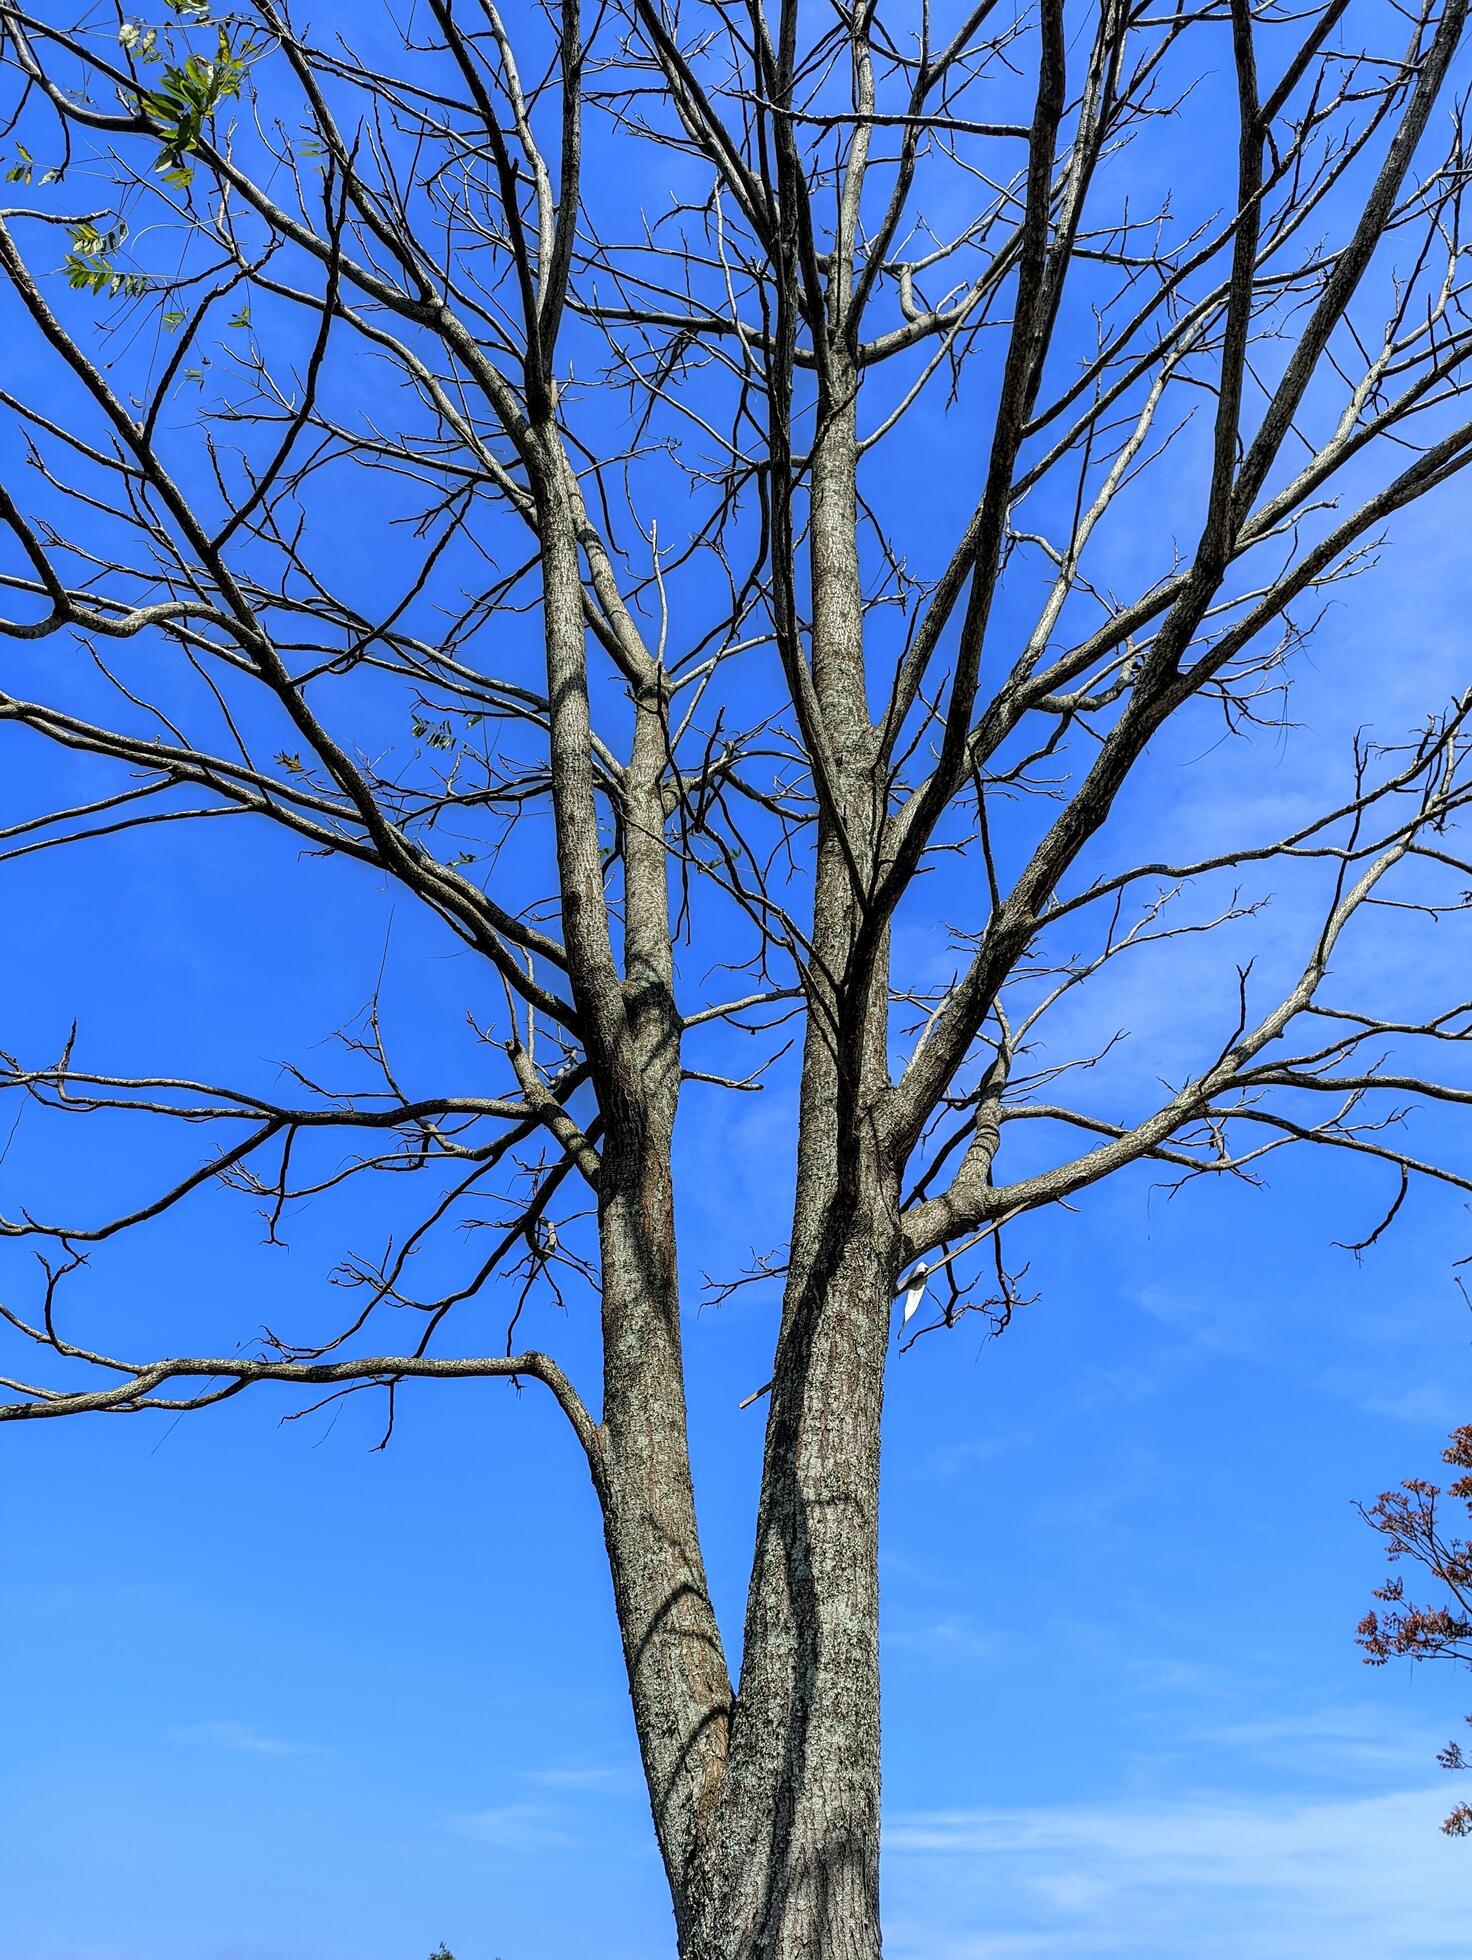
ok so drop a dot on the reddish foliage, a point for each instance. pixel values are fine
(1409, 1521)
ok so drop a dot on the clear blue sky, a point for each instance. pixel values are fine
(272, 1696)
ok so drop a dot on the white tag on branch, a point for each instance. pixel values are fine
(915, 1295)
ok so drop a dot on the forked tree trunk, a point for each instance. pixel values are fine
(766, 1803)
(767, 1806)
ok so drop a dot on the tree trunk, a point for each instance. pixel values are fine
(678, 1680)
(771, 1836)
(794, 1871)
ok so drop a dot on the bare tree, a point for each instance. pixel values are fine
(634, 319)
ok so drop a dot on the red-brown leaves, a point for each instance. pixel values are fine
(1408, 1520)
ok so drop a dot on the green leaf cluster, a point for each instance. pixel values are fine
(140, 42)
(89, 264)
(21, 172)
(187, 96)
(435, 735)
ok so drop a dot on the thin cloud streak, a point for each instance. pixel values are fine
(226, 1733)
(515, 1827)
(1290, 1880)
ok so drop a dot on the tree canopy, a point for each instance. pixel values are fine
(750, 523)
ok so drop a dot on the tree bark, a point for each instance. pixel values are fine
(677, 1673)
(797, 1866)
(793, 1870)
(678, 1678)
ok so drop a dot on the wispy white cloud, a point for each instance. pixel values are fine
(952, 1637)
(515, 1826)
(968, 1454)
(1355, 1879)
(1336, 1742)
(1436, 1403)
(594, 1777)
(226, 1733)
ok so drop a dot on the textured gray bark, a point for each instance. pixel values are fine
(799, 1819)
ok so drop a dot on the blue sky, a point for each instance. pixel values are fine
(274, 1696)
